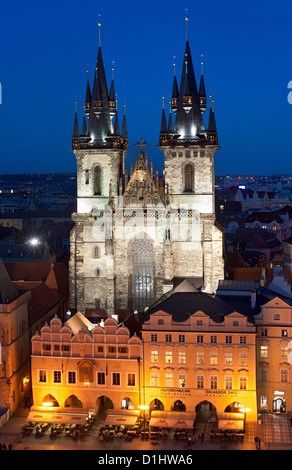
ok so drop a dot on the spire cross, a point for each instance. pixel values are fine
(141, 144)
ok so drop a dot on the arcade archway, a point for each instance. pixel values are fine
(234, 407)
(205, 412)
(49, 400)
(73, 402)
(156, 405)
(104, 403)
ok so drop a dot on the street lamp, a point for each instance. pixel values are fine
(34, 241)
(144, 408)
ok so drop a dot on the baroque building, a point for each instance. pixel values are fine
(137, 234)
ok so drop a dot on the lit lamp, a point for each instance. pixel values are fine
(34, 241)
(47, 404)
(144, 408)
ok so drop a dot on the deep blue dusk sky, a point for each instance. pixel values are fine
(45, 48)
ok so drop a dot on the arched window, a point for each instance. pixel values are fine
(96, 252)
(188, 177)
(141, 258)
(97, 181)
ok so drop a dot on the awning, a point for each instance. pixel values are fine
(232, 421)
(232, 424)
(58, 415)
(172, 419)
(122, 417)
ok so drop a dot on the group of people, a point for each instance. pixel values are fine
(4, 447)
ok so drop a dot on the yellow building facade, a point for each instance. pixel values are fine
(200, 366)
(274, 326)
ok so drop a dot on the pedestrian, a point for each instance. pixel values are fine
(259, 442)
(10, 446)
(4, 446)
(199, 438)
(202, 437)
(269, 446)
(0, 445)
(256, 440)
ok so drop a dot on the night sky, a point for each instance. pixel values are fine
(45, 48)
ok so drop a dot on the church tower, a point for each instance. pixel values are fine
(137, 236)
(100, 149)
(189, 148)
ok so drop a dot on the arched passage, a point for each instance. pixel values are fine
(73, 402)
(179, 406)
(104, 403)
(156, 405)
(205, 411)
(49, 400)
(128, 404)
(234, 407)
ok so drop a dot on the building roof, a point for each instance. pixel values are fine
(183, 304)
(8, 292)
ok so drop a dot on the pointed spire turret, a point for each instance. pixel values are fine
(96, 96)
(202, 91)
(174, 98)
(163, 127)
(76, 133)
(87, 97)
(212, 128)
(124, 128)
(112, 98)
(187, 92)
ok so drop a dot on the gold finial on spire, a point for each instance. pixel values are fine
(202, 64)
(163, 99)
(99, 25)
(113, 69)
(187, 19)
(174, 64)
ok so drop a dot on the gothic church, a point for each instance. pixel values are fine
(138, 235)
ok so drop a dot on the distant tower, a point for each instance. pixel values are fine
(189, 150)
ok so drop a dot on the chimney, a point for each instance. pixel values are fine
(253, 298)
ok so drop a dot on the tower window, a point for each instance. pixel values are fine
(96, 252)
(97, 181)
(188, 178)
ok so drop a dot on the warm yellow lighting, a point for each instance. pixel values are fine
(47, 403)
(143, 407)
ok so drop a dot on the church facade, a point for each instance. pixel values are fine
(137, 234)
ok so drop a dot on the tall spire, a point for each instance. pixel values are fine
(76, 125)
(163, 127)
(124, 126)
(202, 91)
(76, 134)
(87, 96)
(174, 98)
